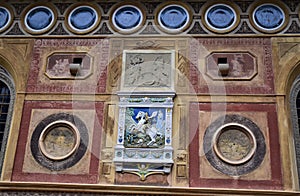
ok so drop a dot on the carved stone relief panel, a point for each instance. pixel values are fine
(181, 68)
(148, 70)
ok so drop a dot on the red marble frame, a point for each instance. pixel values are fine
(92, 177)
(200, 85)
(43, 47)
(275, 161)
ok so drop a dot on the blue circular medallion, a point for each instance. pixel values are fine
(83, 18)
(127, 17)
(39, 18)
(220, 16)
(4, 17)
(268, 16)
(173, 17)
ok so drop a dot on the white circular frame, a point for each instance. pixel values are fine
(87, 29)
(9, 19)
(245, 130)
(169, 29)
(48, 128)
(44, 29)
(131, 29)
(267, 29)
(221, 30)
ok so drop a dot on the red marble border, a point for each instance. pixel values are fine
(41, 46)
(92, 177)
(200, 85)
(275, 162)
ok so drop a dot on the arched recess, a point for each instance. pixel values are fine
(7, 100)
(293, 89)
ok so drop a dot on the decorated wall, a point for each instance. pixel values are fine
(150, 98)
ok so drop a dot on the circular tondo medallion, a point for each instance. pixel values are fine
(234, 145)
(59, 141)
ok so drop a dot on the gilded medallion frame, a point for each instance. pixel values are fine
(254, 6)
(228, 4)
(121, 5)
(11, 16)
(31, 7)
(44, 142)
(165, 5)
(73, 8)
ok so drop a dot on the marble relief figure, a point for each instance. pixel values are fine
(148, 69)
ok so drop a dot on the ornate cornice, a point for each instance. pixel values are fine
(195, 28)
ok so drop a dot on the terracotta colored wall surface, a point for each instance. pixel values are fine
(266, 176)
(250, 101)
(86, 170)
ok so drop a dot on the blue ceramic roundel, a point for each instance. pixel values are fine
(4, 17)
(39, 18)
(220, 16)
(268, 16)
(83, 18)
(127, 17)
(173, 17)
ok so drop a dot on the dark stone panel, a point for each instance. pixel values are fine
(293, 28)
(245, 29)
(292, 4)
(62, 7)
(197, 29)
(104, 30)
(19, 7)
(244, 5)
(15, 30)
(151, 6)
(106, 6)
(149, 29)
(60, 30)
(196, 6)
